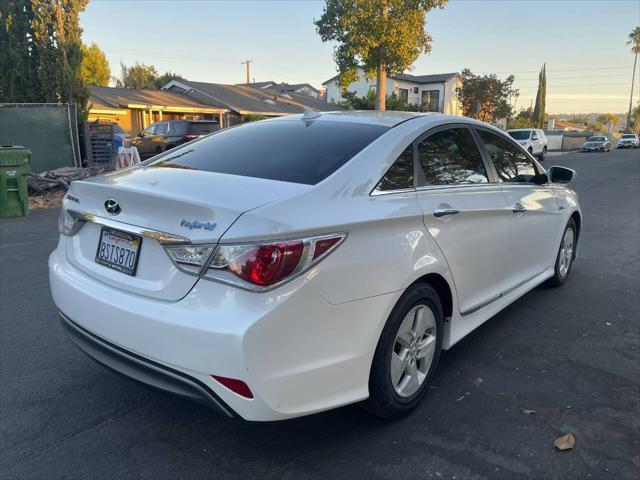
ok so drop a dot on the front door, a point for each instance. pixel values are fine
(534, 209)
(465, 214)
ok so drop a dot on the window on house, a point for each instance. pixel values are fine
(403, 94)
(372, 88)
(431, 100)
(416, 90)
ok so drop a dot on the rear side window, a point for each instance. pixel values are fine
(450, 157)
(512, 164)
(201, 128)
(285, 150)
(400, 175)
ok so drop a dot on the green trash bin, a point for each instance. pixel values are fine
(15, 164)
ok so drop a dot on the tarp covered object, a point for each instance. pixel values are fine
(50, 131)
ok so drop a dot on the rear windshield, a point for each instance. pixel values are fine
(521, 135)
(595, 139)
(628, 135)
(201, 128)
(286, 150)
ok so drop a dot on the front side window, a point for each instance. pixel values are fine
(400, 175)
(512, 164)
(451, 157)
(286, 150)
(160, 129)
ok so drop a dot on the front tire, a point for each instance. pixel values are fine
(407, 353)
(566, 254)
(543, 154)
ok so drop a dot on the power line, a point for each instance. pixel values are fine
(618, 67)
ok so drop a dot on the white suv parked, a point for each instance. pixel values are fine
(289, 266)
(629, 140)
(532, 140)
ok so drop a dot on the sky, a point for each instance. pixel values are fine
(582, 42)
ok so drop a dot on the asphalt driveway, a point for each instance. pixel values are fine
(571, 354)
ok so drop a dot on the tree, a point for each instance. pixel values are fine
(41, 54)
(635, 119)
(541, 97)
(634, 41)
(485, 97)
(95, 67)
(137, 76)
(608, 118)
(384, 37)
(165, 78)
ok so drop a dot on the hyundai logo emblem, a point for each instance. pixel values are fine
(112, 207)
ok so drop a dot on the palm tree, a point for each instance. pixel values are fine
(634, 41)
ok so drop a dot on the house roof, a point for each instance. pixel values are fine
(281, 87)
(109, 97)
(248, 100)
(434, 78)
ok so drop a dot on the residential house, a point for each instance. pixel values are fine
(243, 100)
(135, 109)
(436, 93)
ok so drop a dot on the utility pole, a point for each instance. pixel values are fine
(247, 62)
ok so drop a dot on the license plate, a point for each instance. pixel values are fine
(118, 250)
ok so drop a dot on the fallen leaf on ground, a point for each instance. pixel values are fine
(565, 442)
(526, 411)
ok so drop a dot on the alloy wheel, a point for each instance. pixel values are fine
(413, 350)
(566, 252)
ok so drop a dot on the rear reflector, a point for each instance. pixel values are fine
(236, 386)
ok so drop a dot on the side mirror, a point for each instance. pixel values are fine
(561, 174)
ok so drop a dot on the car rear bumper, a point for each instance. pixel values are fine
(142, 370)
(297, 353)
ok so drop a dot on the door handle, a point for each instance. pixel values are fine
(519, 208)
(443, 212)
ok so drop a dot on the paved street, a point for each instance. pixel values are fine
(571, 354)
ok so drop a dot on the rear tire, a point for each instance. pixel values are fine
(407, 353)
(566, 254)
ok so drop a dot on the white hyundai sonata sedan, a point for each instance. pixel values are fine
(294, 265)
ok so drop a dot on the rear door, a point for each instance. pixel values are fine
(464, 212)
(534, 208)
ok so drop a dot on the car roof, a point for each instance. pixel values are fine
(521, 129)
(370, 117)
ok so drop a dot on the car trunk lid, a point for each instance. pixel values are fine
(155, 201)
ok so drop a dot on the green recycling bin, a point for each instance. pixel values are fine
(15, 164)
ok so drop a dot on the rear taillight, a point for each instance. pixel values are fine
(189, 137)
(254, 266)
(69, 222)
